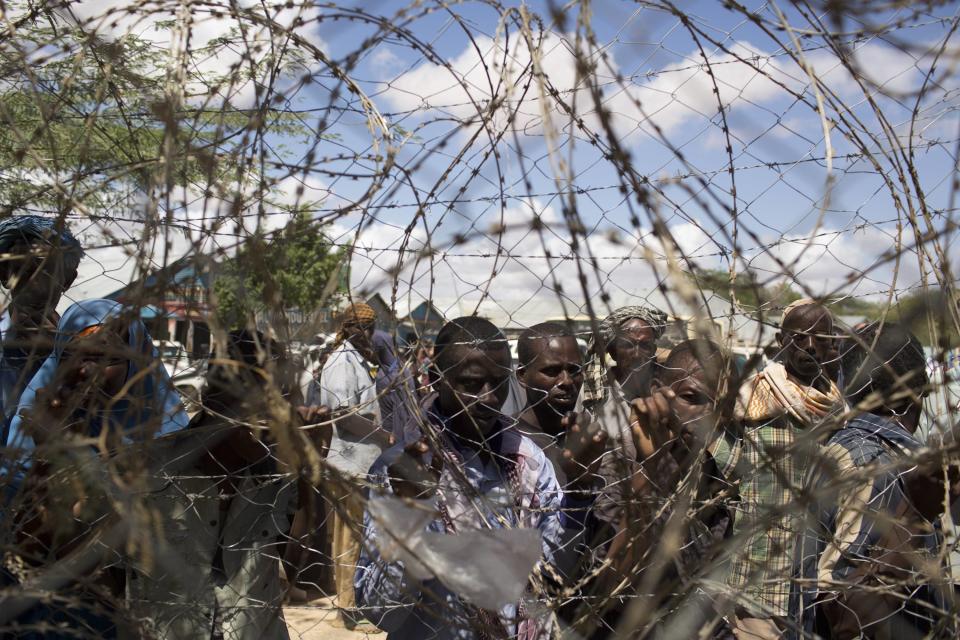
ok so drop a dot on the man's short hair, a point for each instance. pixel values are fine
(472, 332)
(802, 307)
(40, 230)
(526, 351)
(886, 360)
(706, 353)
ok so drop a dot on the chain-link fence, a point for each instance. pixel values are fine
(478, 319)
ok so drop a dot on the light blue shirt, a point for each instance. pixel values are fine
(13, 374)
(346, 383)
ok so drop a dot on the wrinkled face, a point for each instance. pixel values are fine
(474, 384)
(35, 279)
(634, 348)
(693, 403)
(555, 375)
(93, 368)
(807, 342)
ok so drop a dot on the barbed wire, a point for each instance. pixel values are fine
(210, 439)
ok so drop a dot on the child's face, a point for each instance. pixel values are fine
(693, 403)
(473, 387)
(93, 368)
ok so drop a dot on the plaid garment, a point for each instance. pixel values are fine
(868, 557)
(769, 475)
(781, 419)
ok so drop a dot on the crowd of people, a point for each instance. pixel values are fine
(672, 494)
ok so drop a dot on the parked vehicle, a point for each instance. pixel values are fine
(187, 375)
(173, 355)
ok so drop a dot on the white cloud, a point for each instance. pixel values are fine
(671, 97)
(684, 90)
(522, 289)
(677, 92)
(472, 81)
(841, 261)
(384, 60)
(518, 290)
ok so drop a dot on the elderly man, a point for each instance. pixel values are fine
(629, 337)
(348, 387)
(783, 409)
(39, 258)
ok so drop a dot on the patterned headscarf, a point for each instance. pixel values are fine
(31, 229)
(595, 380)
(358, 313)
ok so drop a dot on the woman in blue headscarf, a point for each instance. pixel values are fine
(103, 373)
(102, 384)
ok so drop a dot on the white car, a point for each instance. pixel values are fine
(191, 390)
(187, 376)
(173, 355)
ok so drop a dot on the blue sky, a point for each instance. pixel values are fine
(777, 145)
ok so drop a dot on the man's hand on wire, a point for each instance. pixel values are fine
(652, 423)
(413, 475)
(314, 414)
(583, 447)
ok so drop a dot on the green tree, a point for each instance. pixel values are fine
(927, 314)
(748, 292)
(297, 268)
(753, 296)
(92, 119)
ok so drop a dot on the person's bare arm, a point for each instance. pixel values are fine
(650, 429)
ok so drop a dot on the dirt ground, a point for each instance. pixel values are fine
(317, 620)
